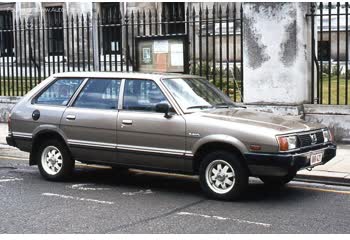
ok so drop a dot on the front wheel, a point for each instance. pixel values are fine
(54, 160)
(222, 175)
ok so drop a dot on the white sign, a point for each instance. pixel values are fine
(177, 55)
(161, 46)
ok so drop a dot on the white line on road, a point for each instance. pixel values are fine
(10, 179)
(84, 188)
(224, 218)
(76, 198)
(148, 191)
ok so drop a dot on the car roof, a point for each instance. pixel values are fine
(154, 76)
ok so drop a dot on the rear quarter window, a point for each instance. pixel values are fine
(59, 92)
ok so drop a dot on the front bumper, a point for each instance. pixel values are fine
(280, 164)
(10, 141)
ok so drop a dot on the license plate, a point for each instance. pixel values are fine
(316, 158)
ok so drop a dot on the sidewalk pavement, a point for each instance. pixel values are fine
(336, 171)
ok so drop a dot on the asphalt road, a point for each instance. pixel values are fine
(96, 200)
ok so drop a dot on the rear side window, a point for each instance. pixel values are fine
(59, 92)
(99, 94)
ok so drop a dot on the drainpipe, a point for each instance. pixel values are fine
(94, 36)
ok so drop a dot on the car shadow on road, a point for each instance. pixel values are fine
(176, 183)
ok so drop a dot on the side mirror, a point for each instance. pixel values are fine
(163, 108)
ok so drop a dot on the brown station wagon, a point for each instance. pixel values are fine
(164, 122)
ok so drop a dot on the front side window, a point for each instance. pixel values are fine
(194, 93)
(99, 94)
(142, 95)
(59, 92)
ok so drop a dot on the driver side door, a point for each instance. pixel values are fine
(145, 137)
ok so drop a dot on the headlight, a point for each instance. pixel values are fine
(287, 143)
(327, 135)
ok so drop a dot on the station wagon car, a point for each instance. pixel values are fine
(165, 122)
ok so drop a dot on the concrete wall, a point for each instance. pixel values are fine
(276, 60)
(6, 104)
(335, 117)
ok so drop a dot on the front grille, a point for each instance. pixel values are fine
(320, 138)
(306, 139)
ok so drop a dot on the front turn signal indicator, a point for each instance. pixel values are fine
(283, 143)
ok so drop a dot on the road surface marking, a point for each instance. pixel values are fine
(148, 191)
(320, 189)
(84, 187)
(77, 198)
(10, 179)
(223, 218)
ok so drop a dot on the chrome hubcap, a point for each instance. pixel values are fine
(51, 160)
(220, 176)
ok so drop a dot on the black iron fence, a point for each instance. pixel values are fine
(330, 53)
(32, 49)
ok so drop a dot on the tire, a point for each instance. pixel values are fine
(218, 186)
(278, 181)
(54, 160)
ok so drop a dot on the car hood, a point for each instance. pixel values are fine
(260, 119)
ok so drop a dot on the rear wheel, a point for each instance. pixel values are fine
(54, 160)
(222, 175)
(278, 181)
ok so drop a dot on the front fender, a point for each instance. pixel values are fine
(220, 138)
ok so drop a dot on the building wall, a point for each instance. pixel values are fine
(34, 10)
(334, 48)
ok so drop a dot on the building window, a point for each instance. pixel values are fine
(6, 37)
(111, 29)
(174, 12)
(54, 18)
(324, 53)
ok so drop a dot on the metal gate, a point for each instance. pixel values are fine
(38, 47)
(330, 53)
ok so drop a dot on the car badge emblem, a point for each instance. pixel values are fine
(313, 138)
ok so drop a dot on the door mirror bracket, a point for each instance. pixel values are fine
(163, 108)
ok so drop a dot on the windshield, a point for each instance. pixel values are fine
(196, 93)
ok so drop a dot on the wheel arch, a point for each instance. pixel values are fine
(214, 143)
(45, 132)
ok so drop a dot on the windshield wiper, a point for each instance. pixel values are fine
(227, 105)
(223, 105)
(200, 106)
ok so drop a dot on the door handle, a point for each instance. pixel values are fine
(127, 122)
(70, 117)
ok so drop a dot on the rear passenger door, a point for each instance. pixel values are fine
(90, 121)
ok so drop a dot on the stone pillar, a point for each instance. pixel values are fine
(277, 52)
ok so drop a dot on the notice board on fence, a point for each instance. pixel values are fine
(161, 54)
